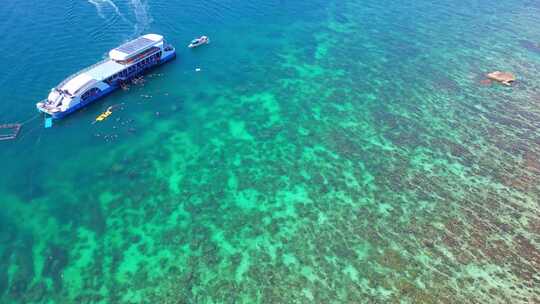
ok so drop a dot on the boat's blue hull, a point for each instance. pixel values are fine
(101, 94)
(107, 91)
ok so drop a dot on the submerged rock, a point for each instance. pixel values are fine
(505, 78)
(56, 260)
(531, 46)
(485, 82)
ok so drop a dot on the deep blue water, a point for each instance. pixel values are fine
(327, 152)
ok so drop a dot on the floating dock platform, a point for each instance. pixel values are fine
(9, 131)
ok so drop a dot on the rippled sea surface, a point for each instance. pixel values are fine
(327, 152)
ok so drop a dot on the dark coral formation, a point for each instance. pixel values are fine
(304, 184)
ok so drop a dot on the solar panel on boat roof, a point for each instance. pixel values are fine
(135, 45)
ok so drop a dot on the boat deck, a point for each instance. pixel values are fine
(98, 71)
(105, 69)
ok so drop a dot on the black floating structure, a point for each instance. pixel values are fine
(9, 131)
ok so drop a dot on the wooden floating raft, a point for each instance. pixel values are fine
(11, 131)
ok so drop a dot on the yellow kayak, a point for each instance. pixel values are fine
(104, 115)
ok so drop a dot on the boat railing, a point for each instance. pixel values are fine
(82, 71)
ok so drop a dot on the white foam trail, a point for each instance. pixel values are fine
(113, 5)
(109, 2)
(142, 17)
(97, 4)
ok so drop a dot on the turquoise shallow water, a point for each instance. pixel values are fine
(327, 152)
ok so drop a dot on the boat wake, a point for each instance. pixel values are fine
(139, 9)
(142, 16)
(101, 4)
(98, 7)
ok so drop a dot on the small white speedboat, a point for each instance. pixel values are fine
(199, 41)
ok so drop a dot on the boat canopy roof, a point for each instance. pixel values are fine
(97, 72)
(77, 83)
(105, 69)
(134, 47)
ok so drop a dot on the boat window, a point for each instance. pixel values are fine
(139, 56)
(89, 93)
